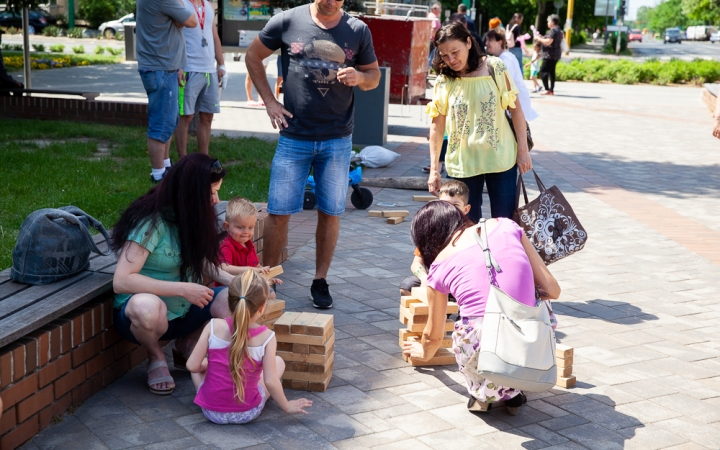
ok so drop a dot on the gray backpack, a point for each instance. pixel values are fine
(54, 244)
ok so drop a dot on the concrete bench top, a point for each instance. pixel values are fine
(85, 95)
(25, 308)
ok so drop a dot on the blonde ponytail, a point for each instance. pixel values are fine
(247, 293)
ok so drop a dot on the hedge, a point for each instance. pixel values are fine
(652, 71)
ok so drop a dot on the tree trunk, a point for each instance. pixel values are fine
(541, 18)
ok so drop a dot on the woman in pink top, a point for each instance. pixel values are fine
(456, 266)
(233, 365)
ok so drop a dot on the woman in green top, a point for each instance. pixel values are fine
(469, 105)
(168, 245)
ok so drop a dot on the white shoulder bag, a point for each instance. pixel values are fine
(517, 348)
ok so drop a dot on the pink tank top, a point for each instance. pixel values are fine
(465, 277)
(217, 392)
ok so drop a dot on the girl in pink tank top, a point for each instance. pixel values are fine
(234, 366)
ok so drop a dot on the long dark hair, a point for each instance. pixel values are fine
(456, 31)
(517, 17)
(433, 227)
(183, 200)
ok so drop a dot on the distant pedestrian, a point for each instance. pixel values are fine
(551, 53)
(161, 57)
(514, 31)
(716, 129)
(534, 65)
(462, 9)
(434, 16)
(202, 79)
(326, 53)
(249, 87)
(494, 23)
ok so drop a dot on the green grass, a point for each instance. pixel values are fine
(67, 173)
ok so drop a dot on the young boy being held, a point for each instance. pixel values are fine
(457, 193)
(237, 251)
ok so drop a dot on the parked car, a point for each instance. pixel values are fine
(700, 32)
(635, 35)
(672, 35)
(110, 29)
(14, 19)
(715, 37)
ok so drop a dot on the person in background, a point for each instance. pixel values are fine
(202, 79)
(534, 65)
(551, 53)
(161, 57)
(249, 87)
(279, 79)
(434, 15)
(6, 80)
(495, 43)
(514, 31)
(462, 9)
(494, 23)
(716, 128)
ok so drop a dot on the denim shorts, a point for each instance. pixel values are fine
(177, 328)
(330, 161)
(161, 87)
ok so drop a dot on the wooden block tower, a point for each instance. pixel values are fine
(273, 311)
(306, 342)
(564, 361)
(414, 312)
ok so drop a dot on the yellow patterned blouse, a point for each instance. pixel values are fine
(480, 139)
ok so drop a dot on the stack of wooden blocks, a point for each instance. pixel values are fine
(393, 217)
(306, 342)
(273, 311)
(564, 361)
(414, 313)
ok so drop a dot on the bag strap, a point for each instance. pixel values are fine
(540, 184)
(70, 214)
(520, 187)
(490, 262)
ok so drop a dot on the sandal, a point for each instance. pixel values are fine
(475, 406)
(513, 405)
(153, 381)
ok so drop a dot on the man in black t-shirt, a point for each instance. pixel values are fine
(325, 54)
(551, 52)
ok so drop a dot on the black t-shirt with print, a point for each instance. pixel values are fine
(554, 50)
(322, 107)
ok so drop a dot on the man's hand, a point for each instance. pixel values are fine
(277, 113)
(181, 78)
(197, 294)
(221, 73)
(348, 76)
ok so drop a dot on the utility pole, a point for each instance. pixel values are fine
(568, 23)
(620, 16)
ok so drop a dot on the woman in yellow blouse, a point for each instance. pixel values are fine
(469, 106)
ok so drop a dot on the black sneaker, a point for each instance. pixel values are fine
(154, 181)
(321, 294)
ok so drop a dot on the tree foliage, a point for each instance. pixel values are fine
(678, 13)
(705, 11)
(99, 11)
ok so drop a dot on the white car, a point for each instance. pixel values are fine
(110, 29)
(715, 37)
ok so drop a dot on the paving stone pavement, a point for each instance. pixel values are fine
(639, 304)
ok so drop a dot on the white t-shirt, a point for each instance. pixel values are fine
(524, 96)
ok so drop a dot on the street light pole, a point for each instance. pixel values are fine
(568, 23)
(26, 47)
(619, 26)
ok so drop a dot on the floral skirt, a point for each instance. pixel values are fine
(236, 418)
(466, 342)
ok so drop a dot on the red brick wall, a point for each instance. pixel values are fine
(58, 366)
(43, 108)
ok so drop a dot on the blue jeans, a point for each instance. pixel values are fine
(501, 190)
(517, 52)
(161, 87)
(330, 161)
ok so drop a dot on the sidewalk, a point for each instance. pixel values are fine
(639, 304)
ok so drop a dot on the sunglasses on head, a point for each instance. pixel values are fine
(216, 167)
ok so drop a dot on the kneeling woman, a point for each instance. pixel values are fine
(455, 265)
(168, 247)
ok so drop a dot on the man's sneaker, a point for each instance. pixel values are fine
(154, 181)
(321, 294)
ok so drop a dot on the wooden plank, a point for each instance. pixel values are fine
(563, 351)
(424, 198)
(282, 325)
(375, 213)
(306, 376)
(443, 357)
(322, 386)
(564, 372)
(101, 262)
(300, 324)
(303, 338)
(395, 220)
(567, 362)
(320, 324)
(413, 318)
(52, 307)
(424, 309)
(566, 382)
(405, 334)
(270, 324)
(29, 295)
(396, 213)
(271, 316)
(312, 386)
(10, 288)
(109, 269)
(274, 272)
(274, 305)
(419, 327)
(5, 275)
(305, 366)
(306, 357)
(445, 343)
(420, 293)
(324, 349)
(407, 300)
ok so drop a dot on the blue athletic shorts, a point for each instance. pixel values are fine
(161, 87)
(177, 328)
(330, 161)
